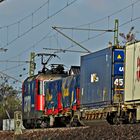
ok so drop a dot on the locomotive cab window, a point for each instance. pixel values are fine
(28, 88)
(33, 87)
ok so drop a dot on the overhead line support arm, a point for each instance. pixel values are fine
(55, 28)
(85, 29)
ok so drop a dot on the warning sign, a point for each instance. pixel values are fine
(118, 55)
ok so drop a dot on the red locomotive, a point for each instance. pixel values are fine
(50, 97)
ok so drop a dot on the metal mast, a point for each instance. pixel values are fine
(116, 28)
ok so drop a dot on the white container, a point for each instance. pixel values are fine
(132, 73)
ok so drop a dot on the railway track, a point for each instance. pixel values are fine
(96, 122)
(97, 131)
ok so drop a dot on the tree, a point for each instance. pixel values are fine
(10, 101)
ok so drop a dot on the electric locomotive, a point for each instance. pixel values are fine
(49, 97)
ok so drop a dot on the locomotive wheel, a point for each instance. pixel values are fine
(76, 122)
(27, 124)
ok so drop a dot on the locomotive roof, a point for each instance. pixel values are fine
(43, 76)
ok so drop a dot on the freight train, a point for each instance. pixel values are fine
(105, 87)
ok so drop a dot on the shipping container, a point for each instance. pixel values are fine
(132, 73)
(99, 71)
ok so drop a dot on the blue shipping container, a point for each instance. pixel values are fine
(96, 78)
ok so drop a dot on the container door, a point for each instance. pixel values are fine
(132, 73)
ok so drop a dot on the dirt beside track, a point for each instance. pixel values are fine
(96, 132)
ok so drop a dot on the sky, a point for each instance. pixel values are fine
(26, 26)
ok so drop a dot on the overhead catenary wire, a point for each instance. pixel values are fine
(65, 50)
(86, 23)
(13, 67)
(32, 46)
(110, 15)
(52, 15)
(129, 21)
(44, 4)
(35, 26)
(24, 62)
(120, 10)
(114, 13)
(10, 61)
(100, 34)
(102, 18)
(11, 77)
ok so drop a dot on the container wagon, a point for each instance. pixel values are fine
(102, 83)
(110, 85)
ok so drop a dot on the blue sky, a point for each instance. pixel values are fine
(18, 16)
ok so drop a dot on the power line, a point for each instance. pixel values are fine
(11, 77)
(32, 27)
(110, 15)
(64, 50)
(131, 20)
(121, 10)
(13, 67)
(100, 34)
(25, 16)
(32, 46)
(18, 22)
(9, 61)
(84, 24)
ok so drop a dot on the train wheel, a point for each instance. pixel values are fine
(76, 122)
(44, 124)
(132, 117)
(27, 124)
(113, 118)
